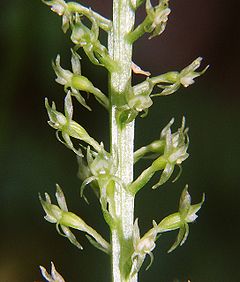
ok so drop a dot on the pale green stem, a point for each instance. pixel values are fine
(122, 140)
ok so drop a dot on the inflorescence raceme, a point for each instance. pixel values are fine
(98, 167)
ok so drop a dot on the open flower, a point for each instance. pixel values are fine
(102, 168)
(68, 127)
(77, 82)
(175, 151)
(62, 217)
(158, 17)
(180, 220)
(65, 220)
(170, 150)
(142, 246)
(172, 81)
(61, 8)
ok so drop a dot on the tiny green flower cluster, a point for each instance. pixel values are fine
(99, 168)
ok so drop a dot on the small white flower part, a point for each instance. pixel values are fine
(61, 119)
(146, 245)
(143, 246)
(162, 17)
(187, 80)
(54, 276)
(191, 217)
(58, 8)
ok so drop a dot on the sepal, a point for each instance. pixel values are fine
(97, 245)
(54, 276)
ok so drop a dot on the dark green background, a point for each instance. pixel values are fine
(32, 161)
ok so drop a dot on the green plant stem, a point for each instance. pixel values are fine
(121, 141)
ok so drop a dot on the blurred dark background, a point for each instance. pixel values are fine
(32, 160)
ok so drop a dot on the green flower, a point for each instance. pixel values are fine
(142, 246)
(180, 220)
(68, 127)
(102, 168)
(77, 82)
(62, 217)
(170, 150)
(157, 16)
(172, 81)
(61, 8)
(175, 151)
(88, 39)
(65, 220)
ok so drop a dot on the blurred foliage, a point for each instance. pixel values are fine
(33, 161)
